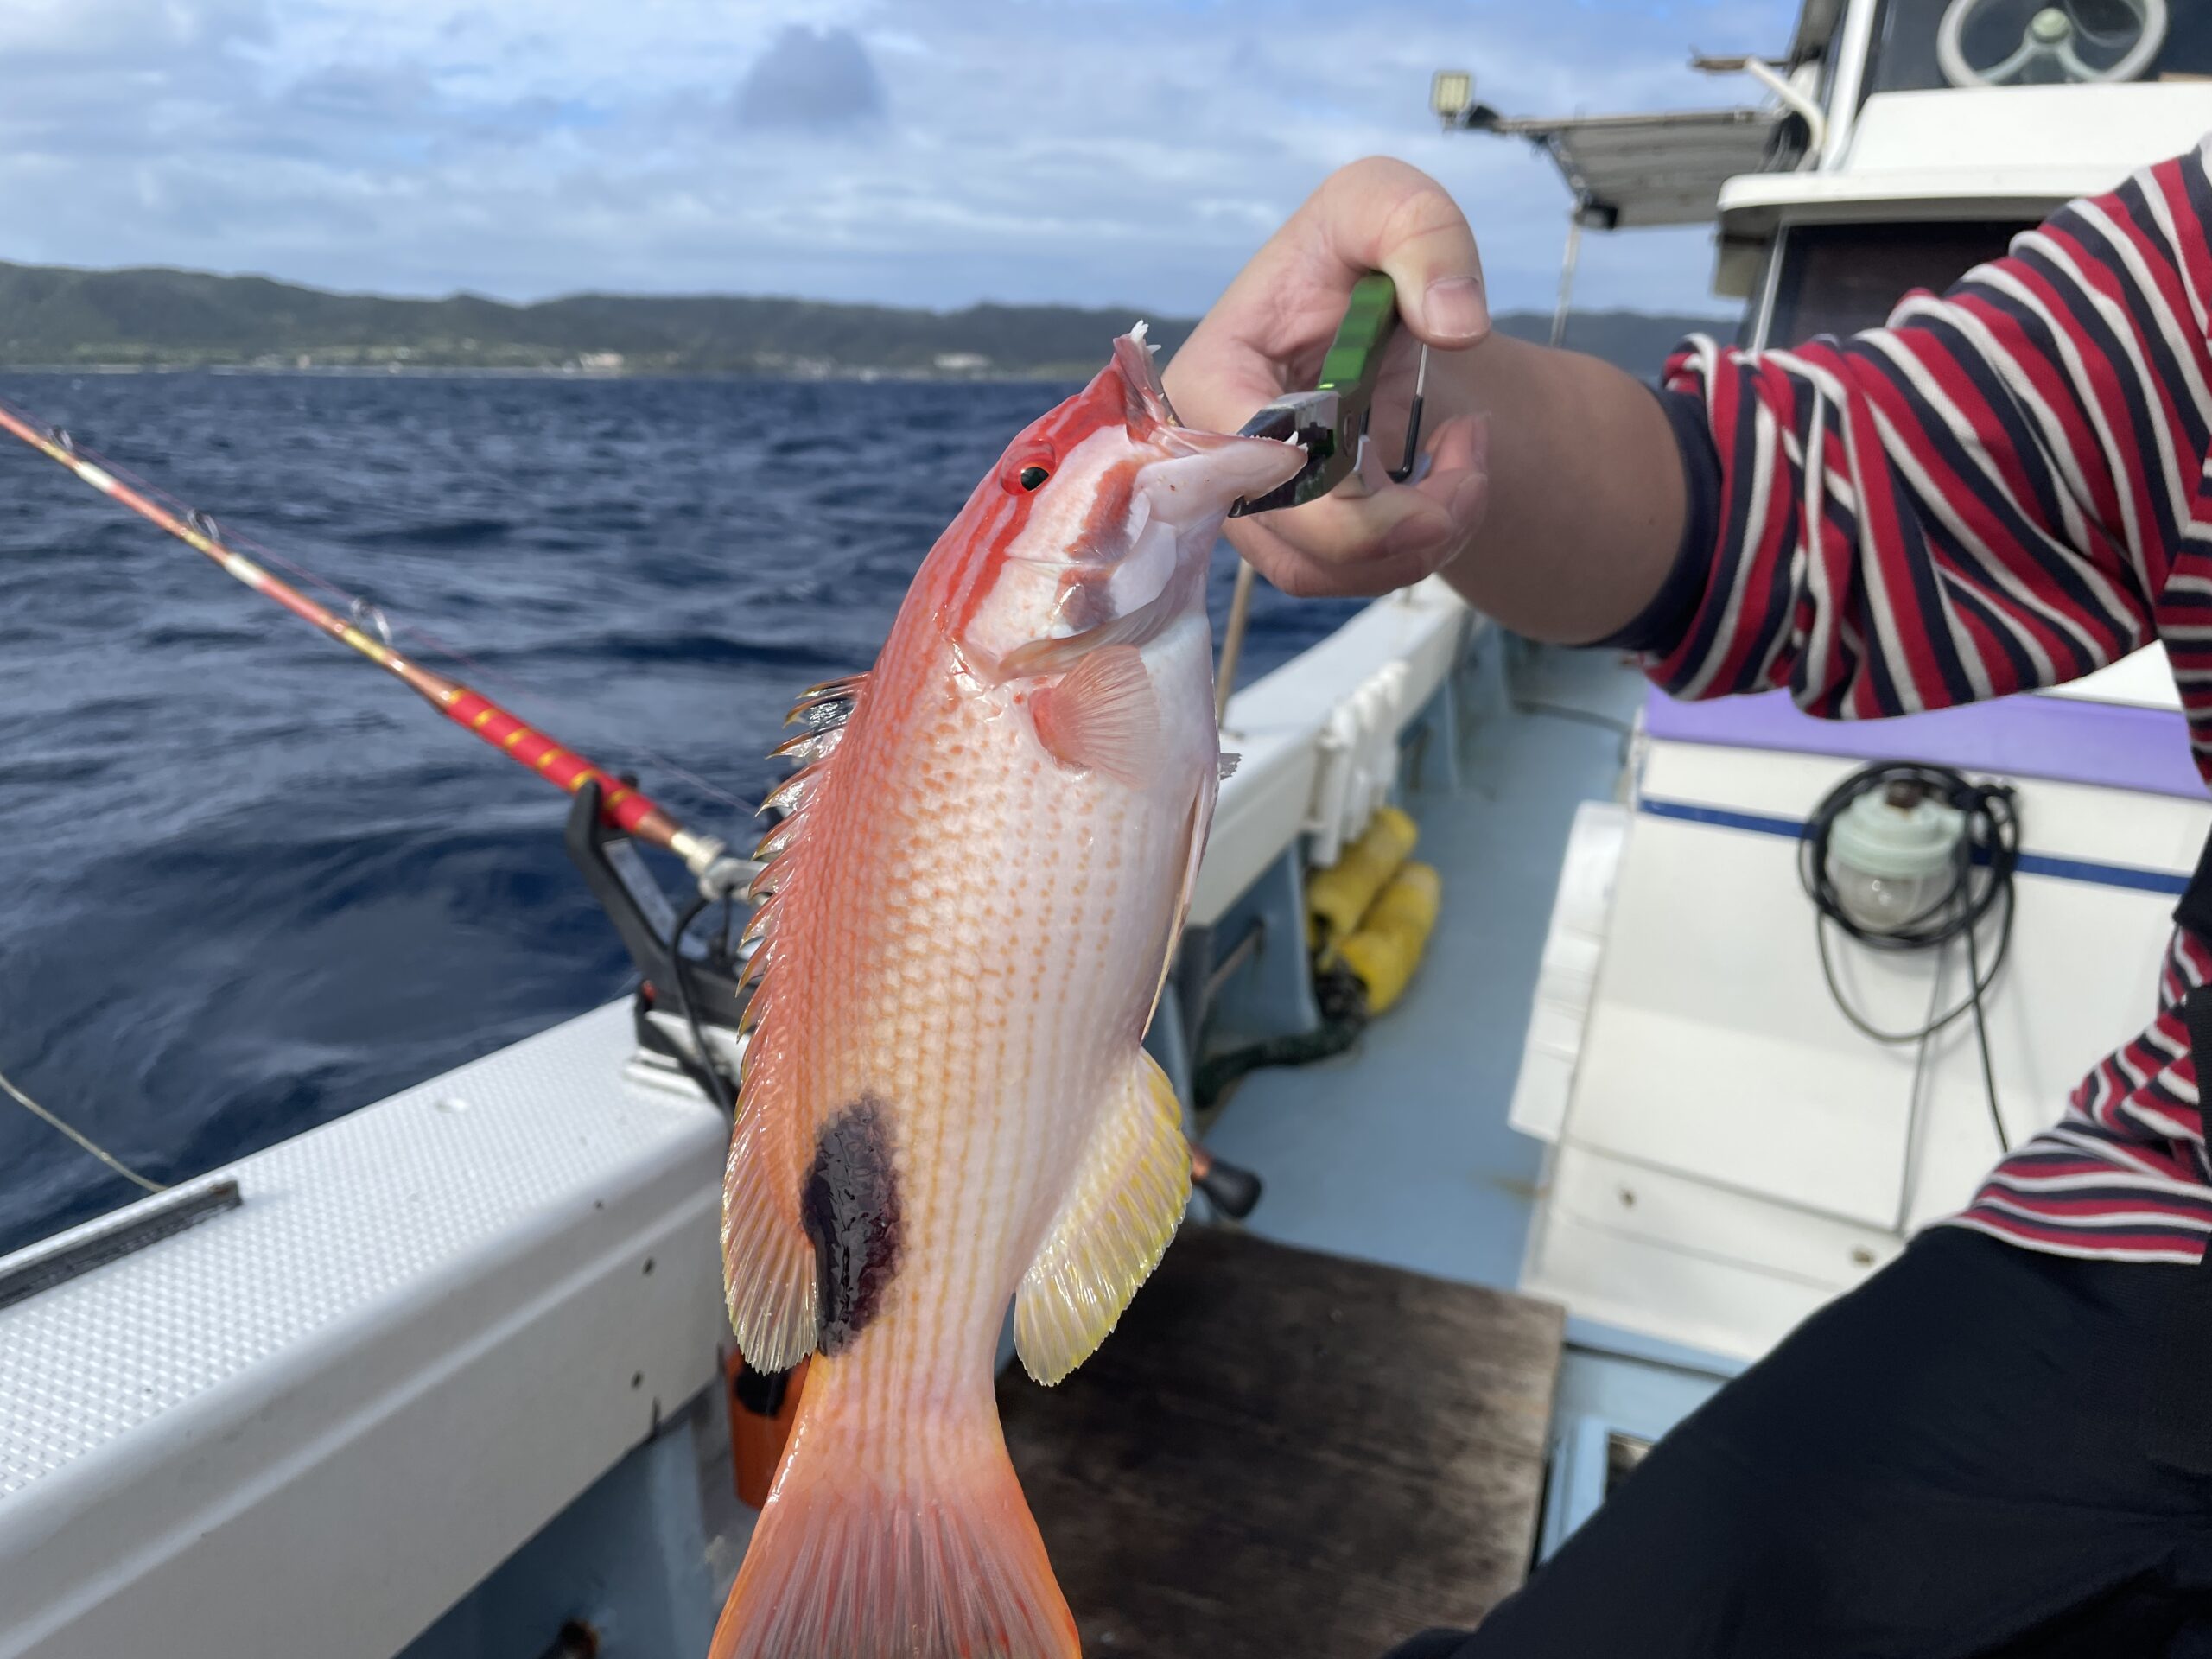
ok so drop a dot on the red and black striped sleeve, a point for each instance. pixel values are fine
(1983, 496)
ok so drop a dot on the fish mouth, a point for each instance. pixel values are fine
(1193, 474)
(1203, 475)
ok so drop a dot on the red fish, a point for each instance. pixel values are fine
(946, 1104)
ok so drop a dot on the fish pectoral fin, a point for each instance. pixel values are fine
(769, 1275)
(1127, 1200)
(1102, 717)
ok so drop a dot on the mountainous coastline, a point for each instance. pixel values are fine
(59, 317)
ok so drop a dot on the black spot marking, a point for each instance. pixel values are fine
(849, 1206)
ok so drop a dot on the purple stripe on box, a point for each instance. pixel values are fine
(2111, 745)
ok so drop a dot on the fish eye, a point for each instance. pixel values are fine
(1024, 471)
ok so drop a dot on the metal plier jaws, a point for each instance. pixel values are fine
(1330, 421)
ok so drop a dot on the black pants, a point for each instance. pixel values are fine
(1983, 1451)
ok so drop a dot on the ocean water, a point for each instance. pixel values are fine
(249, 882)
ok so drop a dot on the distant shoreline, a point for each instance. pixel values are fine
(58, 320)
(467, 372)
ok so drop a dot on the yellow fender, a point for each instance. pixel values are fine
(1387, 946)
(1337, 897)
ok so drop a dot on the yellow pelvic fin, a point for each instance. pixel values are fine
(1127, 1200)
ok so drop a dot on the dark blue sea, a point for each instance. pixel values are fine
(249, 882)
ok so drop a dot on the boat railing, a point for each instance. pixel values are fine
(319, 1419)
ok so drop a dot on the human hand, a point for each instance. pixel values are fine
(1268, 333)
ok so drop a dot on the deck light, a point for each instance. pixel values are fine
(1450, 92)
(1893, 857)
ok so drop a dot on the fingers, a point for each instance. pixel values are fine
(1280, 313)
(1216, 381)
(1372, 543)
(1381, 214)
(1282, 309)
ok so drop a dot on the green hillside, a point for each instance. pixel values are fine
(52, 316)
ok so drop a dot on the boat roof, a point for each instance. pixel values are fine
(1628, 171)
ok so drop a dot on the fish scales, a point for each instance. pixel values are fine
(947, 1108)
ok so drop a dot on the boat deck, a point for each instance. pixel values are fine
(1398, 1151)
(1282, 1452)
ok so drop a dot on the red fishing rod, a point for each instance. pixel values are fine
(620, 805)
(703, 990)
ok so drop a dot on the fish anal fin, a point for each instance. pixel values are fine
(1124, 1205)
(768, 1262)
(1103, 715)
(1226, 767)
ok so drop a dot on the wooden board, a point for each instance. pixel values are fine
(1281, 1453)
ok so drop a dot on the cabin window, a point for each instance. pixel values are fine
(1838, 279)
(2040, 42)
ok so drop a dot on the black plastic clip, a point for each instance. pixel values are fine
(707, 991)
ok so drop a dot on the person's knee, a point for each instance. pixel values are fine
(1677, 1563)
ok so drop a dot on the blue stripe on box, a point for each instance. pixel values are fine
(2064, 869)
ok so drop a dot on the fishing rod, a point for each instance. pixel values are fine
(655, 942)
(620, 805)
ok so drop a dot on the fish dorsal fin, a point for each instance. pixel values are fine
(1127, 1199)
(768, 1259)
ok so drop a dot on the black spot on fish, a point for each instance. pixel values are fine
(849, 1207)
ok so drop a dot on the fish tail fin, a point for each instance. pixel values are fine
(916, 1542)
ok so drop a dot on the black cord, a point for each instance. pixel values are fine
(1981, 1038)
(717, 1085)
(1983, 862)
(1342, 1003)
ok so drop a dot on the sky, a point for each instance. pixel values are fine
(927, 152)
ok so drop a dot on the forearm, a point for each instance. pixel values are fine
(1586, 497)
(1987, 495)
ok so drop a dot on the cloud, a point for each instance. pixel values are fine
(1131, 154)
(811, 79)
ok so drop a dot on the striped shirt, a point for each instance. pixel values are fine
(2006, 487)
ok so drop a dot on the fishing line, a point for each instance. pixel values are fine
(83, 1140)
(367, 613)
(717, 1085)
(622, 805)
(536, 703)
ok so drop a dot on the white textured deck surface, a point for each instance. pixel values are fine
(487, 1287)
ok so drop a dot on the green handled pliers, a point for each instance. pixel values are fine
(1331, 420)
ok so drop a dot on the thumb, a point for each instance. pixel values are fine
(1381, 214)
